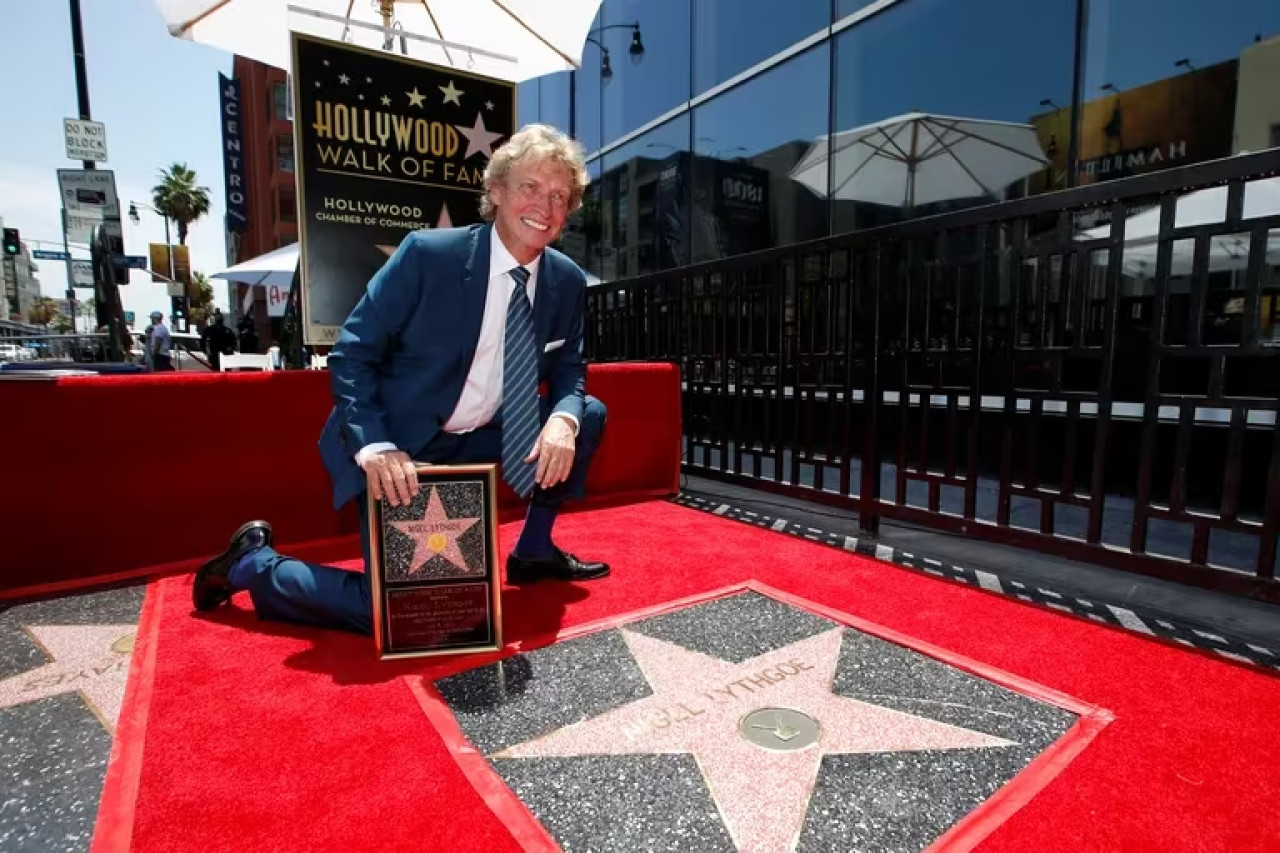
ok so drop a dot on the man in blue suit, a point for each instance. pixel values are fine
(439, 363)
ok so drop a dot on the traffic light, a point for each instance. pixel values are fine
(12, 242)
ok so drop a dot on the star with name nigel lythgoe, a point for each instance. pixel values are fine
(697, 704)
(435, 535)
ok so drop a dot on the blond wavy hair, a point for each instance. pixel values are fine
(539, 143)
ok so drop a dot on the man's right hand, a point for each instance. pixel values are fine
(391, 473)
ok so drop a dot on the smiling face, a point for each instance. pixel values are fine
(532, 205)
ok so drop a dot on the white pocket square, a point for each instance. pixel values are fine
(553, 345)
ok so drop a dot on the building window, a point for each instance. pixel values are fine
(280, 101)
(968, 62)
(284, 152)
(527, 109)
(746, 192)
(585, 121)
(644, 203)
(733, 35)
(1199, 87)
(287, 210)
(581, 237)
(553, 99)
(642, 88)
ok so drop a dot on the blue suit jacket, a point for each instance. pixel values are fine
(398, 367)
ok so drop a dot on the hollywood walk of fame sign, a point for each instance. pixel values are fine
(383, 146)
(744, 724)
(433, 565)
(92, 660)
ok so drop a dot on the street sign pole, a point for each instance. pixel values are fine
(71, 277)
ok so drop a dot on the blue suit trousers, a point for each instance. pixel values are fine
(286, 589)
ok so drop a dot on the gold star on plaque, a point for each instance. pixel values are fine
(415, 99)
(451, 93)
(344, 79)
(386, 101)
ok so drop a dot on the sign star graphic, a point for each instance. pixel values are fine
(435, 534)
(92, 660)
(415, 99)
(451, 93)
(479, 139)
(696, 708)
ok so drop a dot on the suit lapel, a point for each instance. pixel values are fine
(475, 289)
(544, 305)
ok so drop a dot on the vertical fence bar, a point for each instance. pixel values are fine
(1151, 400)
(1110, 332)
(1234, 471)
(869, 492)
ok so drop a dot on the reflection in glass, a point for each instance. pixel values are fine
(848, 7)
(584, 124)
(733, 35)
(747, 142)
(1172, 82)
(554, 93)
(971, 60)
(528, 110)
(643, 199)
(581, 239)
(1220, 260)
(648, 83)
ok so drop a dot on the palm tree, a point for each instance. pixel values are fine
(43, 311)
(199, 300)
(177, 197)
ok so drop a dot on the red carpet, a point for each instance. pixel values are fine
(242, 735)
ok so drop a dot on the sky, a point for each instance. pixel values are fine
(158, 97)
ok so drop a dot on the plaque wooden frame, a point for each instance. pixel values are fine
(394, 598)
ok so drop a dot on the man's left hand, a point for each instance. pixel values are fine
(554, 452)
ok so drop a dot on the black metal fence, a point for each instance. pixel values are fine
(1091, 373)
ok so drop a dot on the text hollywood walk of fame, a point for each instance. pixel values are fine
(355, 138)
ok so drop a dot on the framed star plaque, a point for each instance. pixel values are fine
(433, 565)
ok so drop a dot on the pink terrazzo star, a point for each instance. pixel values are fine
(696, 706)
(90, 659)
(435, 534)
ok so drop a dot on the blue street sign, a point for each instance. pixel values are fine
(133, 262)
(48, 255)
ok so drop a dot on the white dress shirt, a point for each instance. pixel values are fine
(482, 392)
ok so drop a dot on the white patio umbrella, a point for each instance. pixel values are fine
(918, 158)
(272, 268)
(511, 40)
(1202, 207)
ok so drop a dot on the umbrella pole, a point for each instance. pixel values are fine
(913, 160)
(387, 8)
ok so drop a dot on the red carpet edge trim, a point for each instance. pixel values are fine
(964, 836)
(113, 829)
(506, 806)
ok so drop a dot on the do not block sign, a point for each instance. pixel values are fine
(86, 140)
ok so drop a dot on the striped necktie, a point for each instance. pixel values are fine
(519, 389)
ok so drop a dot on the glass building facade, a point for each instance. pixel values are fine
(730, 130)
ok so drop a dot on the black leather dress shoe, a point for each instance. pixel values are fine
(211, 587)
(561, 566)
